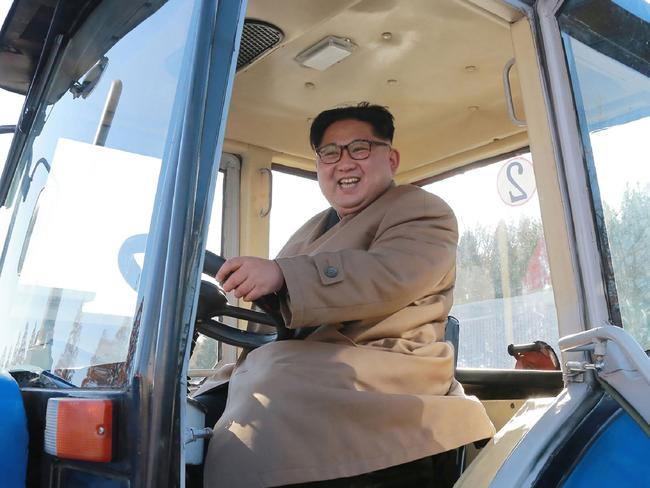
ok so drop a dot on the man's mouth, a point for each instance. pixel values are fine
(349, 182)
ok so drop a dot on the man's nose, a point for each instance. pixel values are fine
(346, 161)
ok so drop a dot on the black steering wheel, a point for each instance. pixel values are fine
(213, 303)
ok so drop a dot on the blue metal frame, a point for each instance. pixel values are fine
(174, 255)
(150, 409)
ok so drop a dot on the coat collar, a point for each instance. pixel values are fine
(324, 230)
(349, 217)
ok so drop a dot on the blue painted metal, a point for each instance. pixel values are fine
(13, 434)
(640, 8)
(618, 457)
(172, 271)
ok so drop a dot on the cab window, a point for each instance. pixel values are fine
(82, 203)
(503, 291)
(609, 65)
(296, 198)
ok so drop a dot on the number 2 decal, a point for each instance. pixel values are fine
(516, 181)
(522, 195)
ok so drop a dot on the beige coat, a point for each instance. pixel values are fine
(373, 386)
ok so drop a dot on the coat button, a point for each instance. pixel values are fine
(331, 272)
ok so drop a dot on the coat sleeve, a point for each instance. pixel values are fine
(412, 254)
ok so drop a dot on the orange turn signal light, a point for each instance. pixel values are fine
(79, 428)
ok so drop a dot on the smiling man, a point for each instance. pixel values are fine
(368, 285)
(356, 162)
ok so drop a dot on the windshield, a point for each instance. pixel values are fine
(81, 206)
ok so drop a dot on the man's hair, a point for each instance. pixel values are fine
(377, 116)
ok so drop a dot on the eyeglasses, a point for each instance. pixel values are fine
(358, 149)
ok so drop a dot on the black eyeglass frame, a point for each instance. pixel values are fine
(341, 147)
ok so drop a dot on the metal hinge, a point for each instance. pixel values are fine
(575, 370)
(83, 88)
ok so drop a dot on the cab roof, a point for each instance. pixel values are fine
(24, 34)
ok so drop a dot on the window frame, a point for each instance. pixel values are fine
(589, 162)
(471, 166)
(303, 173)
(591, 270)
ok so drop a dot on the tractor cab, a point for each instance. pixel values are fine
(158, 137)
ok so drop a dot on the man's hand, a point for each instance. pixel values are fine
(250, 277)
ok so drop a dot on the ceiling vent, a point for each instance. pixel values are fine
(257, 39)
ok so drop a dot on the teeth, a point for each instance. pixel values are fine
(348, 182)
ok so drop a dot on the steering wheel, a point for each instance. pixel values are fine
(213, 303)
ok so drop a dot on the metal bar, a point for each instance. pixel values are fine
(8, 129)
(231, 166)
(106, 120)
(154, 407)
(508, 93)
(164, 437)
(263, 212)
(171, 277)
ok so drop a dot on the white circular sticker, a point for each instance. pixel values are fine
(516, 181)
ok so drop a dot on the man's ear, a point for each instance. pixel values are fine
(394, 160)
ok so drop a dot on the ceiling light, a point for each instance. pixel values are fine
(325, 53)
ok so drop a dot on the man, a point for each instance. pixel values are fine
(371, 386)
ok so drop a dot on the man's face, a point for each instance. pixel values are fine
(351, 185)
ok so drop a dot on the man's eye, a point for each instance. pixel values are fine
(328, 152)
(358, 148)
